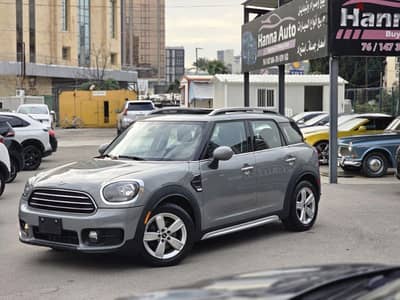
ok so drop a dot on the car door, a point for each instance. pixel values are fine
(274, 165)
(229, 192)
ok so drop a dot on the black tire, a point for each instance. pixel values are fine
(32, 157)
(323, 152)
(151, 227)
(374, 165)
(2, 183)
(293, 221)
(14, 170)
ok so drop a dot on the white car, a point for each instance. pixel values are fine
(32, 135)
(133, 111)
(4, 165)
(39, 112)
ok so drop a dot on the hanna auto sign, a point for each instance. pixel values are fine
(309, 29)
(365, 27)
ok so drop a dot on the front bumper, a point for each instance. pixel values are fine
(349, 162)
(75, 228)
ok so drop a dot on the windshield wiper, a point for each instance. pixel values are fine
(130, 157)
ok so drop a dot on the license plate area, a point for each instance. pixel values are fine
(50, 225)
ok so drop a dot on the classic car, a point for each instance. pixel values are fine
(371, 154)
(360, 125)
(398, 163)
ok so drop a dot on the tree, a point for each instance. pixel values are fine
(201, 64)
(211, 66)
(174, 87)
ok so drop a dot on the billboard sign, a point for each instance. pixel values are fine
(365, 27)
(294, 32)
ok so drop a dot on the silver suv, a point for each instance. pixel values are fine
(133, 111)
(171, 180)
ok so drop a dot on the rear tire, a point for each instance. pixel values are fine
(303, 208)
(167, 237)
(14, 170)
(32, 157)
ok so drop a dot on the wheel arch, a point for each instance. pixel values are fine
(33, 142)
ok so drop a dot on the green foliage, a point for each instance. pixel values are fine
(174, 87)
(353, 69)
(389, 104)
(211, 66)
(201, 64)
(104, 85)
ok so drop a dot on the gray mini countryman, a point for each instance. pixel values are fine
(171, 180)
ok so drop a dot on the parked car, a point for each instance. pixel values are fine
(157, 186)
(32, 135)
(319, 120)
(133, 111)
(398, 163)
(4, 165)
(360, 125)
(303, 117)
(39, 112)
(346, 281)
(14, 148)
(53, 140)
(372, 154)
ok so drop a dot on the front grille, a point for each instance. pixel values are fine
(61, 200)
(344, 151)
(66, 237)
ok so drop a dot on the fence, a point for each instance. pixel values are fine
(378, 100)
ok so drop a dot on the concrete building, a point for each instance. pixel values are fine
(227, 57)
(237, 65)
(197, 91)
(175, 63)
(52, 44)
(143, 38)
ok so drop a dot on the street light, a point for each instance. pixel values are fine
(197, 59)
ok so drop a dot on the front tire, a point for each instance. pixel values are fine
(323, 152)
(32, 157)
(375, 165)
(303, 208)
(167, 237)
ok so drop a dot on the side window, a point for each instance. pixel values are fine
(292, 133)
(266, 135)
(382, 123)
(231, 134)
(17, 122)
(370, 125)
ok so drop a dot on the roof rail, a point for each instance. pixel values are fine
(181, 110)
(222, 111)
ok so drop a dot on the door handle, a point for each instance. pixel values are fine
(291, 160)
(247, 169)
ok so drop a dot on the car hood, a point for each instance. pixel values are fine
(275, 284)
(82, 175)
(370, 138)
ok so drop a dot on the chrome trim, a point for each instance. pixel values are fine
(239, 227)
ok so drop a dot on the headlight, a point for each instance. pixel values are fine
(27, 189)
(119, 192)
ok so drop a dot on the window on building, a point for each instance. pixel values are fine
(84, 32)
(66, 53)
(65, 15)
(19, 23)
(113, 19)
(113, 58)
(32, 31)
(265, 98)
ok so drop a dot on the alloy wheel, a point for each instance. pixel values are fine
(305, 205)
(165, 236)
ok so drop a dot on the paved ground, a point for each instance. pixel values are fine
(358, 222)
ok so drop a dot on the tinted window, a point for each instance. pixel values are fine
(16, 122)
(42, 110)
(140, 106)
(231, 134)
(266, 135)
(382, 123)
(291, 133)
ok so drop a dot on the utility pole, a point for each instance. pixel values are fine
(197, 59)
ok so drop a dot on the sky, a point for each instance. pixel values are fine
(209, 24)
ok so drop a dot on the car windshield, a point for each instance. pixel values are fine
(140, 106)
(323, 119)
(394, 126)
(351, 124)
(154, 140)
(38, 110)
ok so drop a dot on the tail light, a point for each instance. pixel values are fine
(52, 132)
(125, 112)
(1, 140)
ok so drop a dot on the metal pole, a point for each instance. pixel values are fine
(246, 75)
(281, 88)
(333, 118)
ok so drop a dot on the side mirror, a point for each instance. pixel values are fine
(221, 153)
(362, 128)
(103, 148)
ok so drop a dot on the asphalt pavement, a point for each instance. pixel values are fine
(358, 222)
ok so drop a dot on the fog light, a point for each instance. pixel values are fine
(26, 227)
(93, 236)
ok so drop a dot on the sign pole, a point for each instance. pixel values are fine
(281, 88)
(333, 119)
(246, 75)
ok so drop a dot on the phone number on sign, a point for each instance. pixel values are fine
(381, 47)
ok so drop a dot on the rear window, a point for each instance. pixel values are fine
(292, 133)
(140, 106)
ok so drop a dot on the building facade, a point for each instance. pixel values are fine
(143, 37)
(48, 44)
(175, 63)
